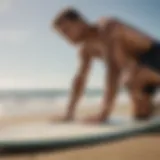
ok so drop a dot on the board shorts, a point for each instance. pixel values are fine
(151, 59)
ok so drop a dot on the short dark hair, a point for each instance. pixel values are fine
(69, 14)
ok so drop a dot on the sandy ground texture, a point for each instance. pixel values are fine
(136, 148)
(143, 147)
(81, 112)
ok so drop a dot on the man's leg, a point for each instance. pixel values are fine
(147, 77)
(142, 104)
(141, 91)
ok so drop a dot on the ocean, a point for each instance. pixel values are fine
(27, 102)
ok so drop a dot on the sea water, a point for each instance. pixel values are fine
(29, 102)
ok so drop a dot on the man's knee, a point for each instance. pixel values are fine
(142, 104)
(149, 89)
(134, 86)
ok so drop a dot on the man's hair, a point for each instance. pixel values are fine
(67, 14)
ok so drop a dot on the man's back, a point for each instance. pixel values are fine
(133, 40)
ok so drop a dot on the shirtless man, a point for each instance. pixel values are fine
(121, 47)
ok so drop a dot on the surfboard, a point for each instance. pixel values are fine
(62, 135)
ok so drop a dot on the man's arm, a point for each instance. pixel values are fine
(79, 82)
(111, 87)
(115, 62)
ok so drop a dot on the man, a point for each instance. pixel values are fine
(121, 47)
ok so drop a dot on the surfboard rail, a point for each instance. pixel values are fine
(55, 144)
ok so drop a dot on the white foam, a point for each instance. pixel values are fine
(47, 105)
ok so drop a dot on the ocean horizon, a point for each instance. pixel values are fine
(34, 101)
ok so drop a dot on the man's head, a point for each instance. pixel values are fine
(71, 25)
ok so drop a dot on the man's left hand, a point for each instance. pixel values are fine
(96, 119)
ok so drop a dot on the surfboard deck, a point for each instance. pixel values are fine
(46, 134)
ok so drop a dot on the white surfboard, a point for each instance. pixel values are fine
(46, 133)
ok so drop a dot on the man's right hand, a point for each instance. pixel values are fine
(78, 85)
(63, 118)
(68, 117)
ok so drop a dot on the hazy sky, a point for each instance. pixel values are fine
(32, 56)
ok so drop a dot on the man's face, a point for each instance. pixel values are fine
(72, 30)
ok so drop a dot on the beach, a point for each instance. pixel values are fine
(47, 109)
(96, 59)
(145, 146)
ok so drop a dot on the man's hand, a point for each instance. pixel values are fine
(96, 119)
(62, 118)
(68, 117)
(78, 83)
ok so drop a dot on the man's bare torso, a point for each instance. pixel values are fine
(113, 35)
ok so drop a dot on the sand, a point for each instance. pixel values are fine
(136, 148)
(145, 147)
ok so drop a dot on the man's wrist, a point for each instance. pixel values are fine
(70, 113)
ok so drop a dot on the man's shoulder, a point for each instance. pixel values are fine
(111, 27)
(109, 21)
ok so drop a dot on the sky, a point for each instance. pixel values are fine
(32, 55)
